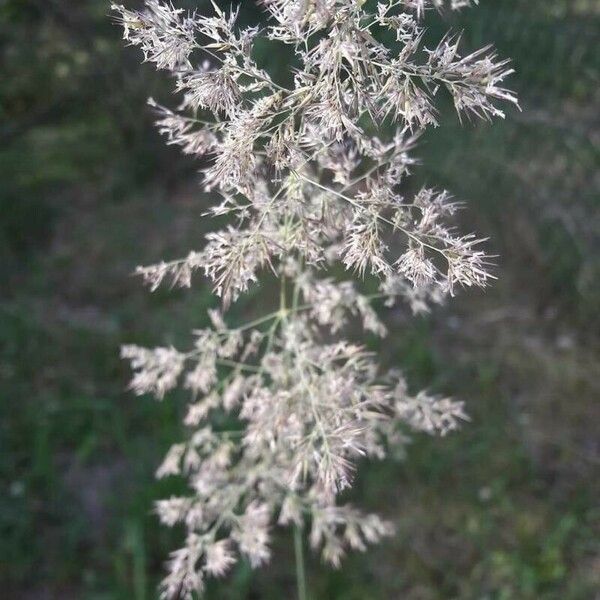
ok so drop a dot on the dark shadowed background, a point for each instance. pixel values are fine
(505, 509)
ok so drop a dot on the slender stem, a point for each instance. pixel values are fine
(238, 365)
(298, 544)
(259, 321)
(300, 570)
(282, 296)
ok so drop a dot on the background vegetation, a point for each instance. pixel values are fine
(506, 509)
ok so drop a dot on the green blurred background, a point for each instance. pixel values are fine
(505, 509)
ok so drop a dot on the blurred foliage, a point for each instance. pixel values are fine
(506, 509)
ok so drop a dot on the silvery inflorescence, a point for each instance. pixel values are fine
(311, 175)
